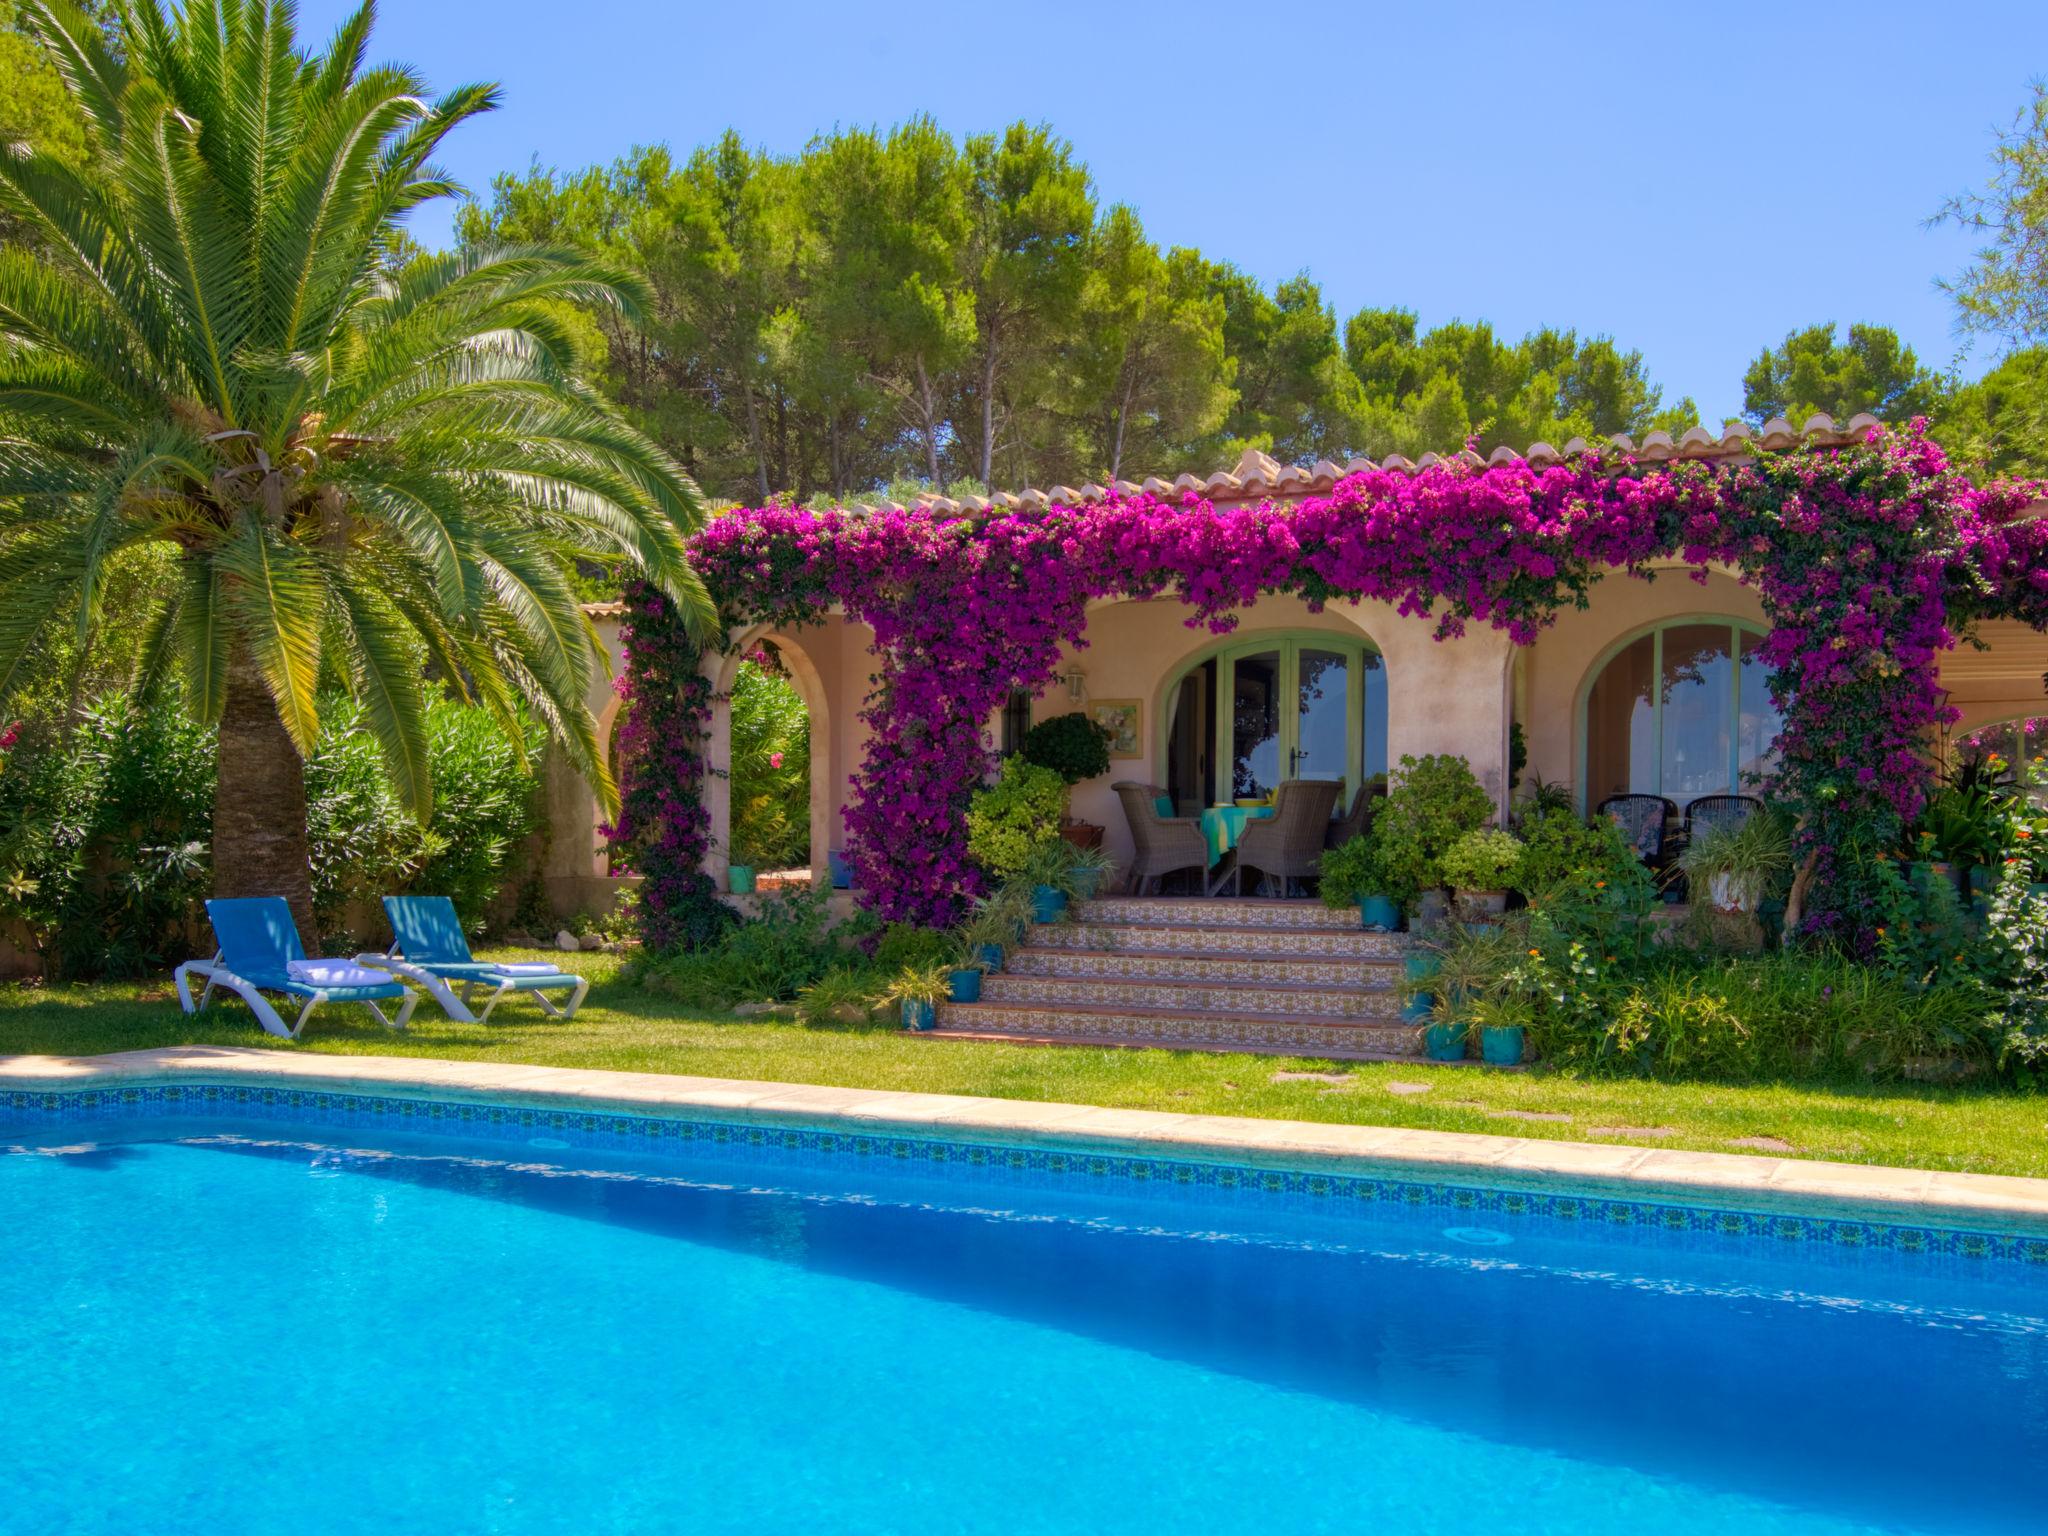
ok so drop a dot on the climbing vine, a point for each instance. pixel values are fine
(1870, 562)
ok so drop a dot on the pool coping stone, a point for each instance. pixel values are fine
(1718, 1179)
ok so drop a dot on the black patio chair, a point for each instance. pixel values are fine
(1710, 813)
(1645, 821)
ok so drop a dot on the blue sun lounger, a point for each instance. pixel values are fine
(429, 948)
(260, 952)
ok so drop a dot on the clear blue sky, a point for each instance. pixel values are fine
(1691, 181)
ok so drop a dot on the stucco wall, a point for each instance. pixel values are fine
(1442, 696)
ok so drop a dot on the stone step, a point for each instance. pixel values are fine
(1234, 997)
(1324, 942)
(1217, 912)
(1323, 1052)
(1370, 972)
(1079, 1024)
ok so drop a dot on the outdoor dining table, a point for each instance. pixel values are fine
(1222, 826)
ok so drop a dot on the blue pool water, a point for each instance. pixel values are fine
(234, 1326)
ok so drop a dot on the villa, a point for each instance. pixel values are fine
(1343, 693)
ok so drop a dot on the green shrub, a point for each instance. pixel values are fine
(1432, 803)
(1352, 870)
(771, 957)
(1485, 860)
(1071, 745)
(771, 768)
(1559, 848)
(486, 805)
(363, 843)
(104, 837)
(1009, 822)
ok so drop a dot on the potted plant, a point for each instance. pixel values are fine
(1445, 1038)
(1013, 817)
(1089, 869)
(1470, 965)
(1419, 969)
(1503, 1024)
(919, 989)
(995, 924)
(1740, 864)
(1431, 803)
(1076, 748)
(1479, 868)
(1049, 875)
(1352, 873)
(963, 970)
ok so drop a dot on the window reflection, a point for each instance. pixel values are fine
(1682, 712)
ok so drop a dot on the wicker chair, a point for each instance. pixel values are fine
(1710, 813)
(1355, 824)
(1643, 819)
(1289, 844)
(1163, 844)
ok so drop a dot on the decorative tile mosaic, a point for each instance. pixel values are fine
(709, 1141)
(1213, 913)
(1333, 943)
(1192, 997)
(1307, 1036)
(1369, 973)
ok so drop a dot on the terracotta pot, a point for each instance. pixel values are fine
(1082, 834)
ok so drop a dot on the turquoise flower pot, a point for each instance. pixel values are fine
(1378, 914)
(1444, 1042)
(966, 985)
(1418, 1008)
(1501, 1045)
(1047, 904)
(1421, 964)
(740, 879)
(920, 1016)
(1086, 883)
(990, 956)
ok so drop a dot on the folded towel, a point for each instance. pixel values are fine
(335, 973)
(527, 968)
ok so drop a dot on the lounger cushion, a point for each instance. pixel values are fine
(336, 973)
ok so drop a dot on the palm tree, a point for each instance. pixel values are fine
(371, 469)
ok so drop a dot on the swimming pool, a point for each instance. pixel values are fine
(227, 1309)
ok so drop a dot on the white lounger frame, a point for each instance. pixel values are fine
(458, 1007)
(218, 975)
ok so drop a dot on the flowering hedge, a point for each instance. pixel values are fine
(1867, 560)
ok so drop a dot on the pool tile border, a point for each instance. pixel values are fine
(1971, 1215)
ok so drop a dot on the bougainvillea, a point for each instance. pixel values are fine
(1868, 560)
(663, 830)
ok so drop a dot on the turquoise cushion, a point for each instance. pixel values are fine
(1164, 806)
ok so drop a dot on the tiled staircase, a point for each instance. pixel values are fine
(1272, 976)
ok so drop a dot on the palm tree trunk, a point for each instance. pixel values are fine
(259, 807)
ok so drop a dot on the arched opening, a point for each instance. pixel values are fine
(769, 809)
(1241, 717)
(1679, 710)
(2021, 744)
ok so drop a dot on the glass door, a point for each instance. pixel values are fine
(1291, 709)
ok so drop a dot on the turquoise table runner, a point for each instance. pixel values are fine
(1223, 825)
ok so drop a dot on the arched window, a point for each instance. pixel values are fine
(1682, 711)
(2022, 744)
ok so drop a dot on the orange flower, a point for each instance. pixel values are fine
(1599, 885)
(1535, 951)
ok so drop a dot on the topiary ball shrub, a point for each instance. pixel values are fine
(1434, 801)
(1071, 745)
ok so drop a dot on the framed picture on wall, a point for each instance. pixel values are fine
(1124, 720)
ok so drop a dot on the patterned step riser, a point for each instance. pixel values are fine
(1196, 913)
(1368, 975)
(1327, 943)
(1181, 997)
(1307, 1038)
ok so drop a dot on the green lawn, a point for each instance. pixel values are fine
(621, 1028)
